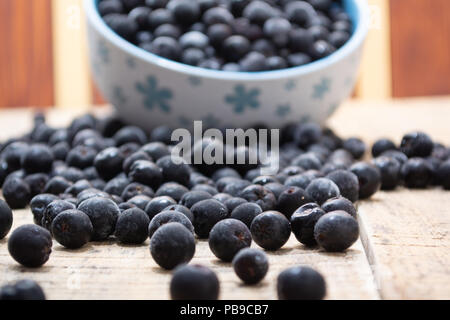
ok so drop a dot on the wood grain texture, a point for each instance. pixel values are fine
(404, 234)
(420, 39)
(26, 76)
(407, 237)
(109, 270)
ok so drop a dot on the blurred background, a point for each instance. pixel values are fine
(43, 58)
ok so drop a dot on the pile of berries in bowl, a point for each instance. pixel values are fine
(241, 35)
(252, 61)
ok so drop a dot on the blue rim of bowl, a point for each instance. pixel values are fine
(360, 21)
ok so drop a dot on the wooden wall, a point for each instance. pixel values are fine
(26, 60)
(420, 42)
(412, 47)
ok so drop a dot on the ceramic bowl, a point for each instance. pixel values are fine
(148, 90)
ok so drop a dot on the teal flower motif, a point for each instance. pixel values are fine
(184, 121)
(283, 110)
(195, 81)
(241, 99)
(290, 85)
(96, 68)
(118, 95)
(349, 82)
(305, 119)
(322, 88)
(131, 63)
(153, 95)
(103, 52)
(210, 121)
(333, 108)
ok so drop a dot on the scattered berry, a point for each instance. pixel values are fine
(382, 145)
(416, 144)
(251, 265)
(103, 214)
(30, 245)
(132, 226)
(416, 173)
(194, 282)
(246, 213)
(72, 229)
(347, 183)
(6, 219)
(389, 172)
(172, 245)
(322, 189)
(270, 230)
(22, 290)
(340, 204)
(260, 195)
(336, 231)
(228, 237)
(291, 199)
(53, 209)
(301, 283)
(303, 222)
(158, 204)
(369, 178)
(16, 192)
(206, 214)
(168, 216)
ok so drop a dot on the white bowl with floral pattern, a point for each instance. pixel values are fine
(149, 91)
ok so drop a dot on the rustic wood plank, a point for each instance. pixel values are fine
(113, 271)
(109, 270)
(420, 46)
(26, 65)
(374, 119)
(405, 233)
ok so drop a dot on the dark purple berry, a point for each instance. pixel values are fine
(6, 219)
(340, 204)
(417, 173)
(72, 229)
(103, 214)
(132, 226)
(322, 189)
(251, 265)
(194, 282)
(228, 237)
(301, 283)
(389, 171)
(270, 230)
(30, 245)
(206, 214)
(336, 231)
(303, 221)
(416, 144)
(381, 146)
(172, 245)
(369, 178)
(347, 183)
(22, 290)
(291, 199)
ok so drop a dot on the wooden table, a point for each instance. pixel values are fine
(403, 252)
